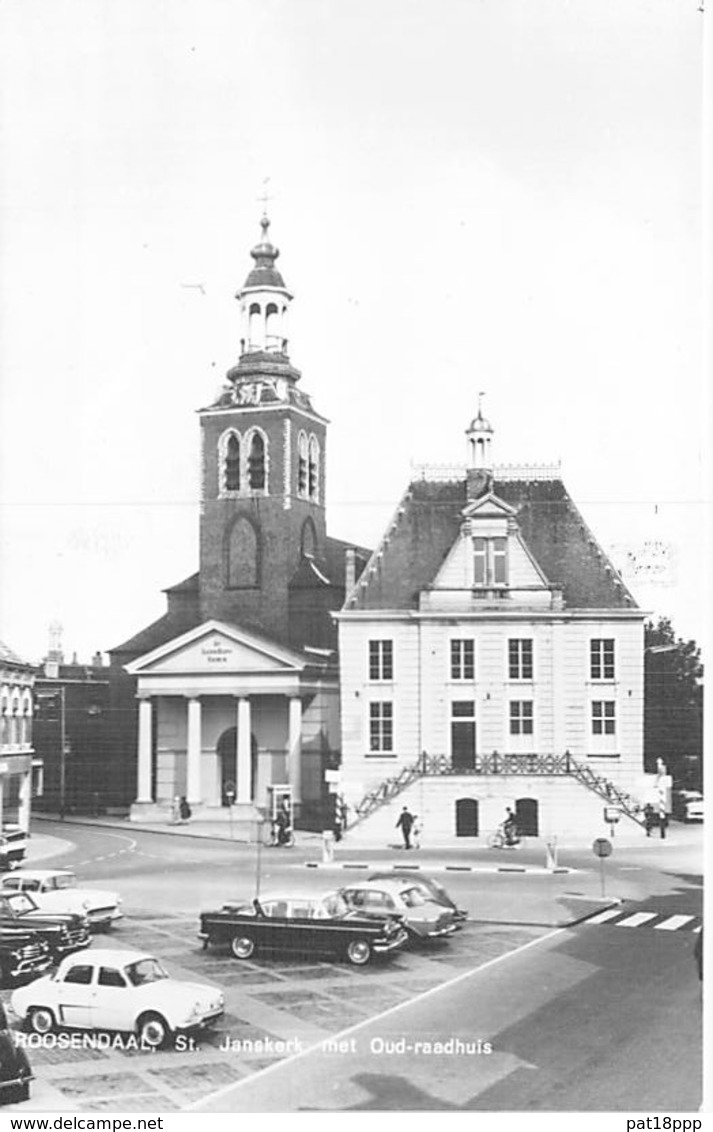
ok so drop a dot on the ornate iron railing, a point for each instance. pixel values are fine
(498, 764)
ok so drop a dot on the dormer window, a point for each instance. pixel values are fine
(490, 562)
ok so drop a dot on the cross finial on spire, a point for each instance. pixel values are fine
(265, 197)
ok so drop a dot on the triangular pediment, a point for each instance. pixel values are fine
(217, 647)
(489, 506)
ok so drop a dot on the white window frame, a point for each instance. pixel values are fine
(380, 659)
(460, 661)
(384, 721)
(520, 642)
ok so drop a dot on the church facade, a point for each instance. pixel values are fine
(237, 684)
(491, 657)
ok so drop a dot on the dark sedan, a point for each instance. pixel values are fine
(63, 931)
(15, 1072)
(302, 925)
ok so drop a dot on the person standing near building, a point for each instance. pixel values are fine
(405, 824)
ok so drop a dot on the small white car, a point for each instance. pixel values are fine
(56, 890)
(115, 989)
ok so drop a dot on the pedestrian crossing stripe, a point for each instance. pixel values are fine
(618, 918)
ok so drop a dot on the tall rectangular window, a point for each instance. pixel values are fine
(490, 561)
(381, 660)
(463, 660)
(381, 726)
(603, 717)
(520, 658)
(601, 658)
(521, 717)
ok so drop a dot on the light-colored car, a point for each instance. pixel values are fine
(113, 989)
(688, 805)
(56, 890)
(422, 915)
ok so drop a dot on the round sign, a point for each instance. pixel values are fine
(601, 847)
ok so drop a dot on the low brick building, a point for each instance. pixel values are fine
(18, 761)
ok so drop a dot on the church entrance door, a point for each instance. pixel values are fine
(227, 750)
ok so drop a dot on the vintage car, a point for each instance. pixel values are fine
(64, 932)
(314, 926)
(422, 916)
(23, 954)
(15, 1071)
(13, 846)
(56, 890)
(430, 888)
(688, 805)
(122, 990)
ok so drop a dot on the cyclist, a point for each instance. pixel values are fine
(510, 828)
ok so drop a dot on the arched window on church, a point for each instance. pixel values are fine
(302, 457)
(255, 326)
(256, 462)
(313, 468)
(242, 556)
(232, 464)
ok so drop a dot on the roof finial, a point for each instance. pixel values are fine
(480, 404)
(265, 197)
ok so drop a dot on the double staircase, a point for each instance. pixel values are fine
(501, 765)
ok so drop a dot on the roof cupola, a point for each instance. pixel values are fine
(264, 301)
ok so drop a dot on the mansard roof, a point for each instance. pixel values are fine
(428, 522)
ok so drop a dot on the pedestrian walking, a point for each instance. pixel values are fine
(405, 824)
(663, 818)
(649, 818)
(184, 810)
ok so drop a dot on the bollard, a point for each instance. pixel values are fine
(327, 847)
(551, 846)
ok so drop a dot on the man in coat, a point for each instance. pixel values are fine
(405, 824)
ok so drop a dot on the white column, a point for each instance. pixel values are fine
(194, 746)
(244, 793)
(294, 747)
(23, 812)
(145, 751)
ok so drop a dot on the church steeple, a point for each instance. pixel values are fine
(264, 301)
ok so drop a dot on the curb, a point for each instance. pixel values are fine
(539, 870)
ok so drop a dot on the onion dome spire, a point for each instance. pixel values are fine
(264, 273)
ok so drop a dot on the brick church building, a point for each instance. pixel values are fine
(237, 683)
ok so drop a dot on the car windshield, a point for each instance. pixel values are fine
(331, 906)
(17, 903)
(64, 880)
(414, 898)
(145, 971)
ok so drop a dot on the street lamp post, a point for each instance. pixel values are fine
(62, 753)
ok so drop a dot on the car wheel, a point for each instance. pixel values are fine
(359, 952)
(242, 946)
(40, 1020)
(152, 1030)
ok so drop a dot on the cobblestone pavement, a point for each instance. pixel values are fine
(294, 1002)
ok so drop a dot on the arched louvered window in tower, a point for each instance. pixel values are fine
(313, 469)
(302, 456)
(242, 556)
(256, 463)
(232, 464)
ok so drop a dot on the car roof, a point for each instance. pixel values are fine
(38, 874)
(397, 884)
(98, 955)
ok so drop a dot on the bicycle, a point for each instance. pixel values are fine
(279, 837)
(502, 840)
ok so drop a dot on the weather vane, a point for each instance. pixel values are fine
(265, 197)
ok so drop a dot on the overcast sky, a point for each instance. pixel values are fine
(468, 195)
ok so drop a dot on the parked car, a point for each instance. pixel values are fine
(422, 916)
(113, 989)
(56, 890)
(321, 926)
(430, 888)
(64, 932)
(688, 805)
(15, 1071)
(13, 846)
(23, 954)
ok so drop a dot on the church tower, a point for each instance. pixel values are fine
(263, 467)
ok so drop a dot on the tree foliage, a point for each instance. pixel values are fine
(673, 703)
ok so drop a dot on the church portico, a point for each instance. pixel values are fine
(221, 720)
